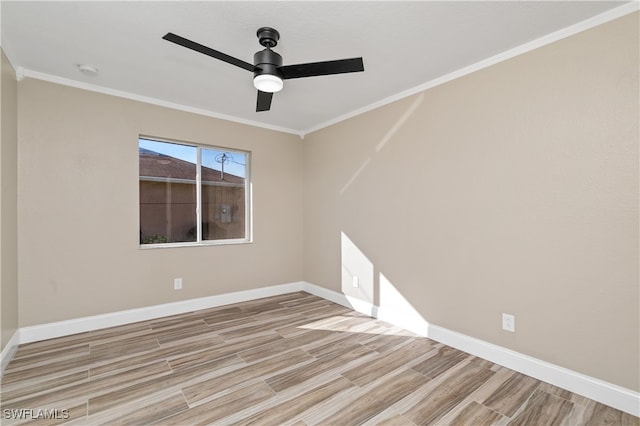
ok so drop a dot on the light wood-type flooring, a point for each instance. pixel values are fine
(290, 359)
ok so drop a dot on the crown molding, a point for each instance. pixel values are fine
(153, 101)
(587, 24)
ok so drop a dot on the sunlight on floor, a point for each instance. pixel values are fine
(355, 324)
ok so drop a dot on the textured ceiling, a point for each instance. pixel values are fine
(404, 45)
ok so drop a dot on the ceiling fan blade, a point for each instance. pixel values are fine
(208, 51)
(313, 69)
(264, 101)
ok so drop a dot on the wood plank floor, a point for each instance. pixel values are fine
(291, 359)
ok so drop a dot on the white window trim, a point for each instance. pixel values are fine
(248, 197)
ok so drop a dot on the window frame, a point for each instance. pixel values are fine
(248, 189)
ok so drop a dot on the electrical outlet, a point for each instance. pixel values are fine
(177, 283)
(355, 281)
(509, 323)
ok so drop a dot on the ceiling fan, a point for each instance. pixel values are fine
(268, 71)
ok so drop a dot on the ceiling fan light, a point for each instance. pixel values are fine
(268, 83)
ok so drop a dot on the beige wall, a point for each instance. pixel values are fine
(8, 203)
(79, 249)
(513, 189)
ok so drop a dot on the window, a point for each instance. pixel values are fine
(192, 195)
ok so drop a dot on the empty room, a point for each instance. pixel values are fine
(320, 213)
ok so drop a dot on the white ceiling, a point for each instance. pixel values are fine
(405, 45)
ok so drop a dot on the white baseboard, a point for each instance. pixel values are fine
(607, 393)
(339, 298)
(96, 322)
(9, 351)
(590, 387)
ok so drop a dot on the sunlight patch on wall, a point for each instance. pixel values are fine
(408, 113)
(386, 138)
(355, 175)
(396, 309)
(357, 271)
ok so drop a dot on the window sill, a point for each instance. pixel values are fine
(195, 244)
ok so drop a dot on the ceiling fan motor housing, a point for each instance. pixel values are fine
(267, 62)
(268, 37)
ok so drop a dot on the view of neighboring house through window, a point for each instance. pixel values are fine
(192, 194)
